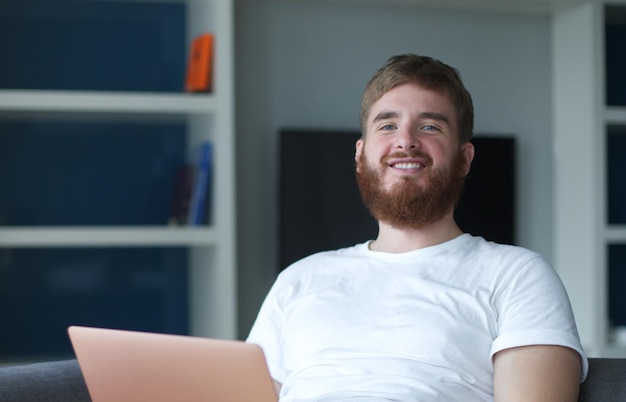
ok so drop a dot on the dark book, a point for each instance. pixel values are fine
(181, 197)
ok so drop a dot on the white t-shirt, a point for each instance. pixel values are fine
(356, 324)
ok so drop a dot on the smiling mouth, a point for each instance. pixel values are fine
(407, 162)
(407, 165)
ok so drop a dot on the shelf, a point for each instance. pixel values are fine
(106, 102)
(616, 234)
(102, 236)
(615, 115)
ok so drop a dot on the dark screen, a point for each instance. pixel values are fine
(320, 207)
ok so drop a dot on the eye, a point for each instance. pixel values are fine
(430, 128)
(387, 127)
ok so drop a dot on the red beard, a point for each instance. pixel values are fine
(407, 205)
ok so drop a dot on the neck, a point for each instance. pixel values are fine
(401, 240)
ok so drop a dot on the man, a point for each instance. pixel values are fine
(424, 312)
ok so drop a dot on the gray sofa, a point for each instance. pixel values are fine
(62, 381)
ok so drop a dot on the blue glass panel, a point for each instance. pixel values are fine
(43, 291)
(616, 174)
(91, 45)
(617, 284)
(88, 173)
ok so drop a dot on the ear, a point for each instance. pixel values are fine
(360, 143)
(468, 155)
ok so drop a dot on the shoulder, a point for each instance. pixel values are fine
(322, 264)
(502, 264)
(476, 248)
(481, 245)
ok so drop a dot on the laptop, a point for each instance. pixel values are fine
(120, 365)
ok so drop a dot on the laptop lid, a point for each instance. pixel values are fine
(121, 365)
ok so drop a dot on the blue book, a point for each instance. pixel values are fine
(201, 194)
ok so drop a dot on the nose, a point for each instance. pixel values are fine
(406, 140)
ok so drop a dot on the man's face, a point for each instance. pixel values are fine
(411, 167)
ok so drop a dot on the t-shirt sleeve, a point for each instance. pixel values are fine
(534, 309)
(267, 331)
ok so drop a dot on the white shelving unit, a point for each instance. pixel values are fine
(582, 231)
(212, 256)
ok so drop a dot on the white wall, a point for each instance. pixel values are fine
(304, 64)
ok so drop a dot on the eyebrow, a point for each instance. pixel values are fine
(384, 115)
(435, 116)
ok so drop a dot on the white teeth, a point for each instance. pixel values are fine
(408, 165)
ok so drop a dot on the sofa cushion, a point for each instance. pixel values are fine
(62, 381)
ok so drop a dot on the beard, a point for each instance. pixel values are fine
(409, 204)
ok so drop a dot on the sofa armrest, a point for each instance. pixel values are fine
(605, 382)
(60, 381)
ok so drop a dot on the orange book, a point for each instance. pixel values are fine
(200, 67)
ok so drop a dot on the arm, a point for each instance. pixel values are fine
(537, 373)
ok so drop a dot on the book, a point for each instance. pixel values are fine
(199, 76)
(200, 204)
(181, 196)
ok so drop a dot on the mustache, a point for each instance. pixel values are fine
(412, 154)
